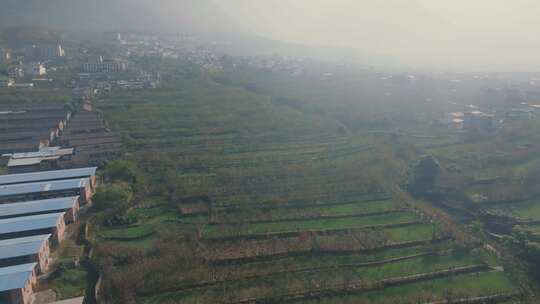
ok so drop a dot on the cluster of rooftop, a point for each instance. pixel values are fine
(51, 136)
(35, 209)
(93, 142)
(26, 128)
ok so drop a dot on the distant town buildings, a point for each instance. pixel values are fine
(478, 122)
(524, 112)
(15, 72)
(454, 119)
(34, 69)
(6, 82)
(5, 55)
(23, 85)
(97, 64)
(44, 52)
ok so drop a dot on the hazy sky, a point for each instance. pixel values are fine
(458, 33)
(448, 33)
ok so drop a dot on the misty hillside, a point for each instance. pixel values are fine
(19, 36)
(117, 14)
(151, 16)
(269, 151)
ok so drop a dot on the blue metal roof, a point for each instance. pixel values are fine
(22, 246)
(40, 206)
(15, 277)
(47, 175)
(29, 223)
(39, 187)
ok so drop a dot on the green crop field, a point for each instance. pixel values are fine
(307, 182)
(234, 196)
(315, 224)
(478, 284)
(301, 281)
(521, 210)
(309, 211)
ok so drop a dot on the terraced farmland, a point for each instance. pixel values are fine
(518, 217)
(239, 200)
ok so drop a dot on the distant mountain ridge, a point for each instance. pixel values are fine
(154, 15)
(204, 17)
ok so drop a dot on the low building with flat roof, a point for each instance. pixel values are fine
(44, 51)
(34, 69)
(15, 72)
(17, 284)
(45, 152)
(97, 64)
(478, 122)
(39, 135)
(54, 175)
(69, 205)
(48, 189)
(33, 161)
(18, 227)
(32, 249)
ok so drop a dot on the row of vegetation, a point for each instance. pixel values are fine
(226, 196)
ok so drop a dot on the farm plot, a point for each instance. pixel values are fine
(303, 283)
(463, 286)
(239, 251)
(524, 215)
(264, 201)
(321, 260)
(521, 211)
(315, 211)
(313, 225)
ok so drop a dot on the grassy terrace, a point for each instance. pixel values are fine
(313, 211)
(150, 221)
(463, 286)
(309, 261)
(10, 96)
(524, 210)
(525, 215)
(302, 281)
(236, 196)
(369, 221)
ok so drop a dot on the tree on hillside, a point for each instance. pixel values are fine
(116, 196)
(425, 174)
(121, 170)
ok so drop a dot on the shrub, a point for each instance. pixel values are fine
(121, 170)
(116, 196)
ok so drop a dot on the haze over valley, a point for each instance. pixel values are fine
(276, 151)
